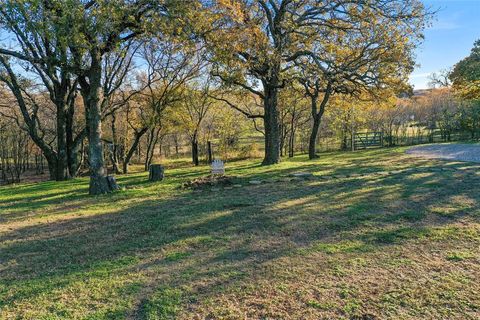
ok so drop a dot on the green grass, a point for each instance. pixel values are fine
(402, 244)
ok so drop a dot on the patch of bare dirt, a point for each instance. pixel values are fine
(209, 181)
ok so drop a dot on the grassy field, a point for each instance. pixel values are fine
(386, 236)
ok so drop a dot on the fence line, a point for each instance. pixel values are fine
(365, 140)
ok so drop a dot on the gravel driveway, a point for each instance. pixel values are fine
(451, 151)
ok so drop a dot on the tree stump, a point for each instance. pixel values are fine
(157, 172)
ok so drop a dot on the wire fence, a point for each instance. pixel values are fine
(365, 140)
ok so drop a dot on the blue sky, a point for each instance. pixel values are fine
(449, 39)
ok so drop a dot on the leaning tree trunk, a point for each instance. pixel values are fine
(131, 151)
(272, 127)
(151, 145)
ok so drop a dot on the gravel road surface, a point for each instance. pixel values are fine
(450, 151)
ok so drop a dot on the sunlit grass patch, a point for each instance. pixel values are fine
(459, 255)
(369, 242)
(337, 247)
(456, 204)
(163, 304)
(175, 256)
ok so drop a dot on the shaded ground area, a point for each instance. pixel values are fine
(374, 234)
(451, 151)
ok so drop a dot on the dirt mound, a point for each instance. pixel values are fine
(209, 181)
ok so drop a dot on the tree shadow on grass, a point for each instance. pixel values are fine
(206, 241)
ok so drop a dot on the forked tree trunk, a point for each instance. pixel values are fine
(317, 118)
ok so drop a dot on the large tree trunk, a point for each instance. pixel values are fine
(52, 166)
(272, 127)
(91, 95)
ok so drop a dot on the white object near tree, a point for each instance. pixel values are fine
(218, 167)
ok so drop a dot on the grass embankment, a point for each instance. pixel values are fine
(403, 244)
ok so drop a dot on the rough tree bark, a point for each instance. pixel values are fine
(272, 126)
(157, 172)
(91, 90)
(312, 142)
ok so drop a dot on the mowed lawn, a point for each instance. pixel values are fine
(383, 236)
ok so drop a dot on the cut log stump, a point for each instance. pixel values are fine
(157, 172)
